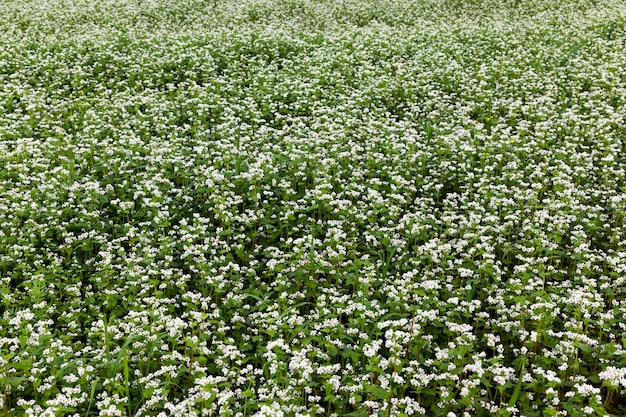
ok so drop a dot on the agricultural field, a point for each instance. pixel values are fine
(312, 208)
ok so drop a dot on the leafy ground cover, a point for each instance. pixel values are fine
(312, 207)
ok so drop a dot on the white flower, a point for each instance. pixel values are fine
(615, 377)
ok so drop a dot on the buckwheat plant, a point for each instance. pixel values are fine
(312, 208)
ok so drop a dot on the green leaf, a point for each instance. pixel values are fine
(585, 348)
(293, 308)
(594, 378)
(332, 350)
(350, 353)
(517, 390)
(359, 413)
(92, 394)
(13, 381)
(22, 366)
(377, 392)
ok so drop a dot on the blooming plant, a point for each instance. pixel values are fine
(312, 207)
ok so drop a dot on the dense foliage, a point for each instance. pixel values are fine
(312, 207)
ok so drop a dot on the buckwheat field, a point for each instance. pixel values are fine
(312, 208)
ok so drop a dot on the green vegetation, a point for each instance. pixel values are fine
(312, 207)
